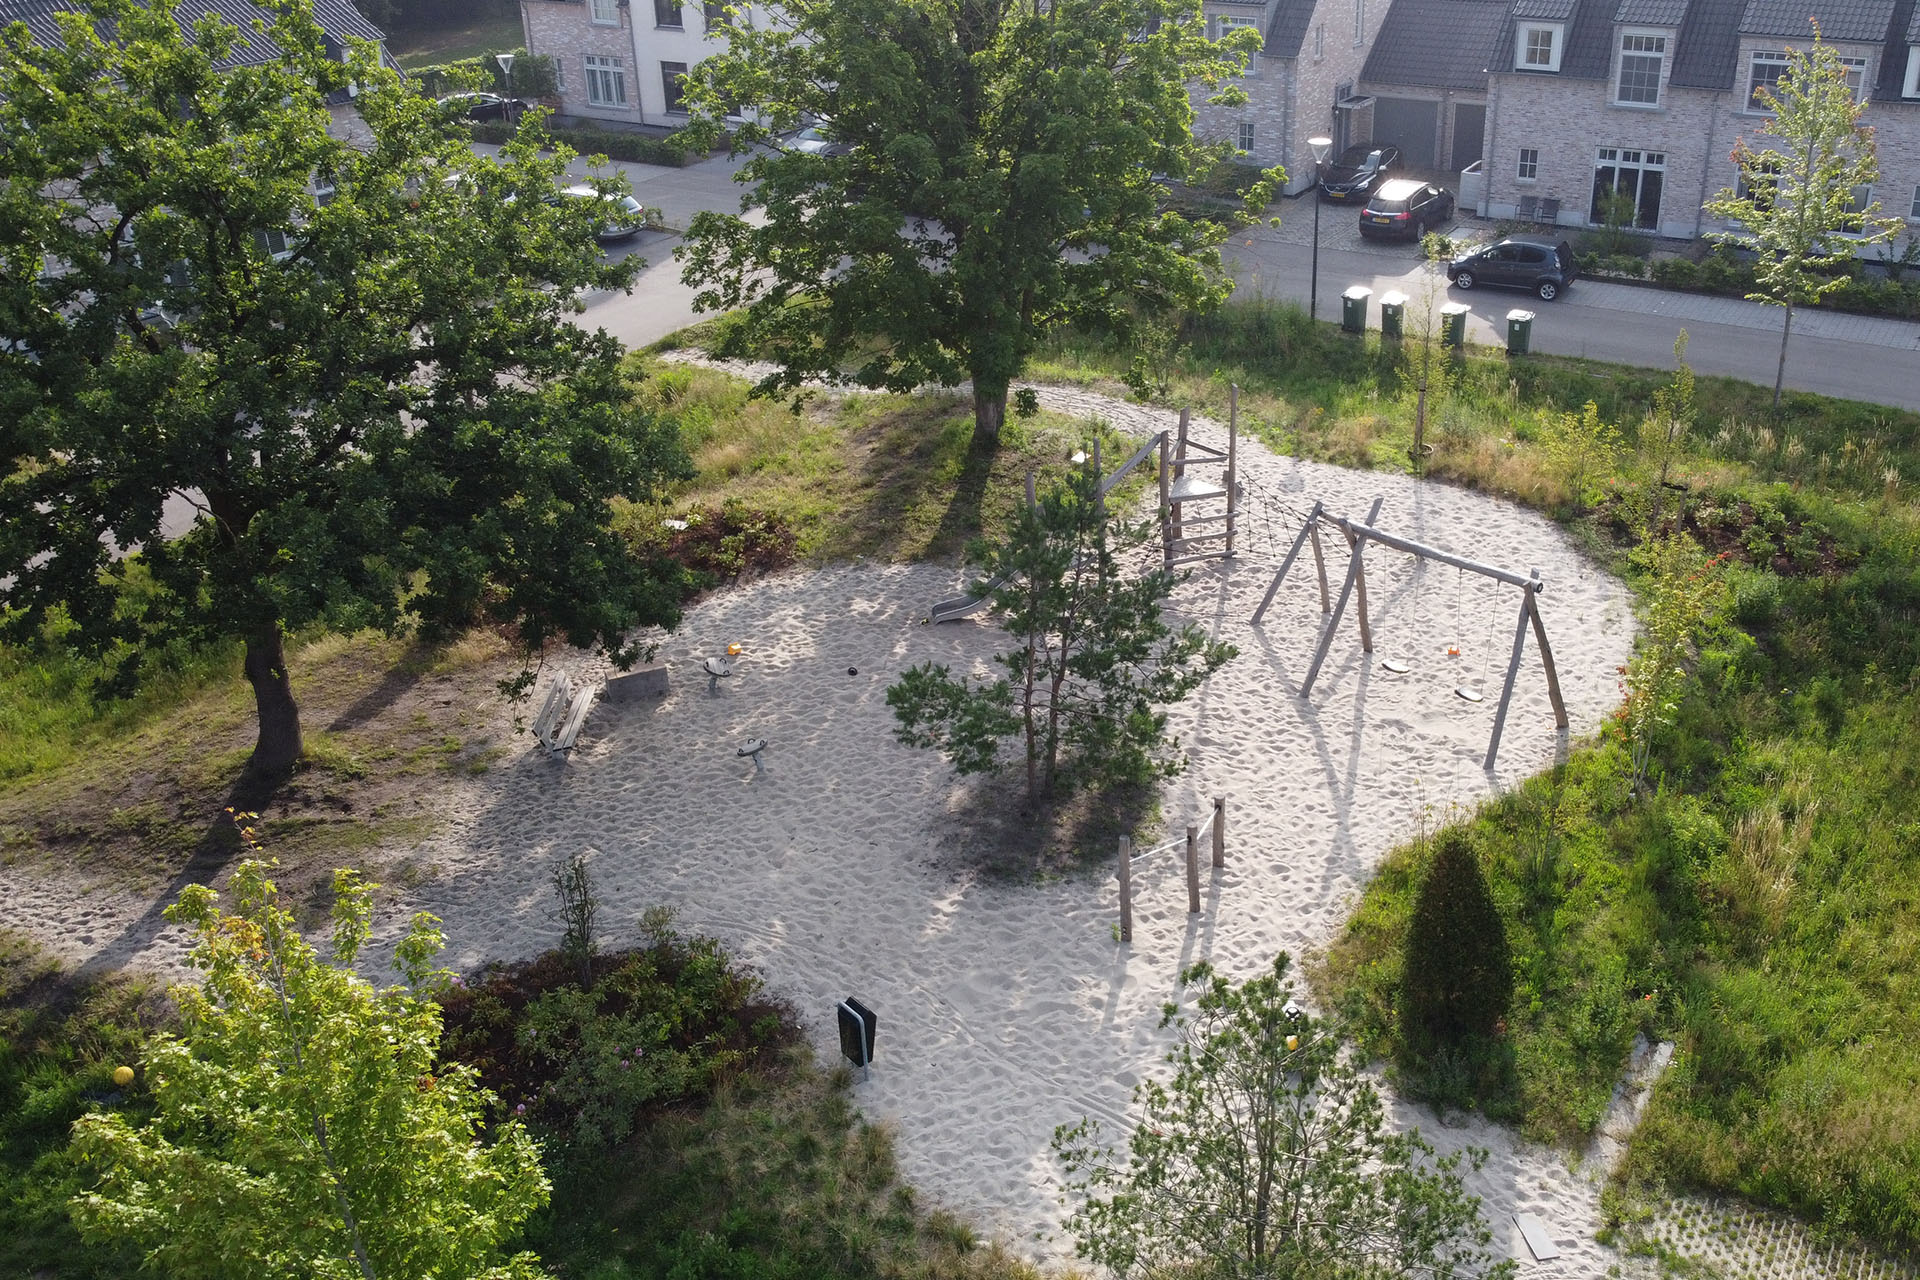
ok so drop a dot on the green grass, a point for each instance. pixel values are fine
(481, 37)
(60, 1040)
(1761, 905)
(880, 477)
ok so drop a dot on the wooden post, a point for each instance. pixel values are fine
(1100, 496)
(1360, 597)
(1219, 832)
(1126, 889)
(1193, 871)
(1030, 501)
(1166, 507)
(1285, 565)
(1333, 624)
(1320, 563)
(1179, 470)
(1513, 668)
(1546, 660)
(1233, 438)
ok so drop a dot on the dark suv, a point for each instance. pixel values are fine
(1544, 267)
(1405, 209)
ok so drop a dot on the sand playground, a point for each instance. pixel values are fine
(837, 863)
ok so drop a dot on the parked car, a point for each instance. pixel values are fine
(1545, 267)
(482, 106)
(814, 140)
(1359, 169)
(1403, 209)
(625, 215)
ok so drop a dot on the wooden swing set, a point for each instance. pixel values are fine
(1358, 535)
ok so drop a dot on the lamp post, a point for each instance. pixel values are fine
(506, 74)
(1322, 148)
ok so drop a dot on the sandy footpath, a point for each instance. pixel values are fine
(1007, 1009)
(840, 866)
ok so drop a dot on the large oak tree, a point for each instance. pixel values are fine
(999, 178)
(354, 360)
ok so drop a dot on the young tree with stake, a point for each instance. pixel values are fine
(1796, 191)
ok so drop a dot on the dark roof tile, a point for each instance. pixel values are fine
(1708, 45)
(1838, 19)
(1651, 13)
(1438, 44)
(1287, 24)
(338, 18)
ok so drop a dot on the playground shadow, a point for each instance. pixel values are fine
(996, 830)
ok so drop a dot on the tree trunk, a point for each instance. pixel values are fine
(989, 414)
(279, 744)
(1779, 376)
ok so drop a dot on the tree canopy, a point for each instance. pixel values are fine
(303, 1126)
(353, 359)
(1268, 1155)
(997, 173)
(1798, 202)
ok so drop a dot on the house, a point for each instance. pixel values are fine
(339, 23)
(1631, 108)
(1301, 84)
(621, 60)
(1427, 77)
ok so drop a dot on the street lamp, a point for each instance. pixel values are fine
(1322, 148)
(506, 74)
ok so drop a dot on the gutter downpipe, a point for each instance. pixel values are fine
(1706, 165)
(1493, 134)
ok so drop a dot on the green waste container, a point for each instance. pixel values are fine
(1353, 308)
(1453, 324)
(1393, 307)
(1519, 332)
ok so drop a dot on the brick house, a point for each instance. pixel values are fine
(1640, 102)
(1427, 76)
(1300, 84)
(621, 60)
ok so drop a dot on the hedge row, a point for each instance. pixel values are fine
(1862, 294)
(636, 148)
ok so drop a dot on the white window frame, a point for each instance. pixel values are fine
(269, 237)
(1856, 75)
(1621, 53)
(1245, 138)
(605, 13)
(1527, 169)
(1913, 210)
(1359, 23)
(604, 73)
(1320, 42)
(1556, 33)
(1225, 24)
(1911, 88)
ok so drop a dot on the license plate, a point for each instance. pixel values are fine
(1382, 219)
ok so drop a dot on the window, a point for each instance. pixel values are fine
(1626, 188)
(1359, 21)
(1642, 55)
(1913, 210)
(673, 79)
(1537, 47)
(1529, 168)
(1226, 26)
(1859, 200)
(1770, 64)
(715, 12)
(1760, 183)
(323, 191)
(606, 12)
(666, 13)
(272, 243)
(1246, 138)
(1320, 42)
(606, 82)
(1912, 87)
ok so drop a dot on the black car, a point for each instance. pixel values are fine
(1403, 209)
(482, 106)
(1358, 170)
(1545, 267)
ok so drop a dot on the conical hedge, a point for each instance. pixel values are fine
(1457, 977)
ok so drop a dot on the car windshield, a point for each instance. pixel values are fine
(1353, 162)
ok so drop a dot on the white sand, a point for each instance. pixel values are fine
(1007, 1009)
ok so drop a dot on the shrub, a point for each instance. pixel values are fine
(1457, 977)
(1676, 273)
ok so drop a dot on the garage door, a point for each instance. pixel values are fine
(1469, 134)
(1407, 123)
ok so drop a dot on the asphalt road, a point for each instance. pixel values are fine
(1856, 357)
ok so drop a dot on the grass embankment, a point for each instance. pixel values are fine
(481, 37)
(1760, 903)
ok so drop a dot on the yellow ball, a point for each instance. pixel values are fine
(1293, 1043)
(123, 1076)
(733, 650)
